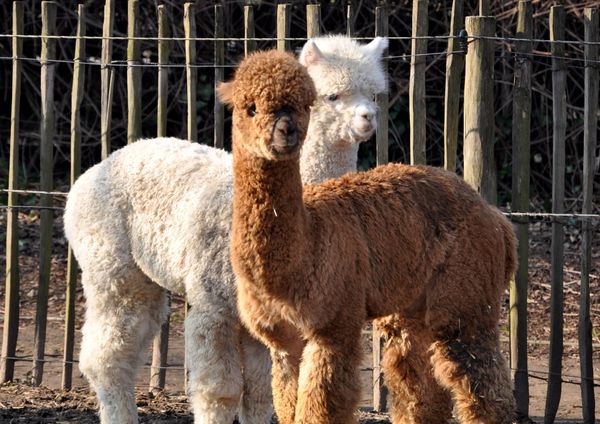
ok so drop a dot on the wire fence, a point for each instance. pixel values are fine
(564, 378)
(464, 38)
(212, 39)
(441, 38)
(565, 218)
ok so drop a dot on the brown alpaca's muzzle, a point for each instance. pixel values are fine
(284, 136)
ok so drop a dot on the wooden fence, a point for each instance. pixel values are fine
(477, 62)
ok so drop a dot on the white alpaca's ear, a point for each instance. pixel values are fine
(310, 54)
(376, 47)
(225, 93)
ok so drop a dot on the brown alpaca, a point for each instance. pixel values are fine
(415, 246)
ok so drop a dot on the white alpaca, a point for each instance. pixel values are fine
(156, 216)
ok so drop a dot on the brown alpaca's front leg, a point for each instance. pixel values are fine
(417, 398)
(286, 347)
(285, 371)
(473, 369)
(329, 388)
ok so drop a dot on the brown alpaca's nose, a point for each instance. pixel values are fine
(286, 128)
(285, 135)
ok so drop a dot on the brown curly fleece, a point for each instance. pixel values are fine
(253, 86)
(413, 246)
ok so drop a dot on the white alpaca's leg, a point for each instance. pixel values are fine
(122, 315)
(213, 360)
(257, 399)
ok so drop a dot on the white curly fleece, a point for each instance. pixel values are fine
(156, 215)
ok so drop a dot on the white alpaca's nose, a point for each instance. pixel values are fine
(365, 112)
(363, 121)
(367, 115)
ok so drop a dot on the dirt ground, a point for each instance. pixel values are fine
(22, 403)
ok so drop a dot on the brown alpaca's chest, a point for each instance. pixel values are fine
(262, 309)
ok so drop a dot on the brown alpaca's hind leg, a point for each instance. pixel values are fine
(417, 398)
(473, 369)
(328, 386)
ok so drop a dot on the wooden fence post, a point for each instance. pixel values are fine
(189, 26)
(313, 20)
(455, 65)
(134, 75)
(590, 136)
(249, 41)
(219, 110)
(76, 97)
(11, 300)
(46, 176)
(164, 47)
(559, 77)
(160, 349)
(160, 344)
(416, 84)
(484, 7)
(107, 78)
(284, 20)
(479, 108)
(381, 30)
(350, 20)
(520, 203)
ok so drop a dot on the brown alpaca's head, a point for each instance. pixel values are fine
(270, 97)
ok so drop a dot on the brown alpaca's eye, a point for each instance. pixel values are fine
(251, 110)
(332, 97)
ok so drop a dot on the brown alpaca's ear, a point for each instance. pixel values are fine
(225, 93)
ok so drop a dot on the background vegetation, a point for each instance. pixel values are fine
(334, 21)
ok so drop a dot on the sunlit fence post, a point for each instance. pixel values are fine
(479, 107)
(76, 98)
(11, 294)
(520, 203)
(559, 115)
(47, 77)
(591, 22)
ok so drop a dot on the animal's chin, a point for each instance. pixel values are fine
(359, 136)
(284, 151)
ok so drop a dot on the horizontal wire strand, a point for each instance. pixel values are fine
(118, 63)
(404, 57)
(52, 193)
(516, 215)
(126, 38)
(565, 378)
(391, 38)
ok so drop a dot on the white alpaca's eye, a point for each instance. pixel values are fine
(332, 97)
(251, 110)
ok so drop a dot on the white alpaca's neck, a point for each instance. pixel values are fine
(325, 157)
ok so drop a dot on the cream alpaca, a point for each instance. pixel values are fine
(156, 215)
(312, 266)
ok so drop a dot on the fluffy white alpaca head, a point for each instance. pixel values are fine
(347, 76)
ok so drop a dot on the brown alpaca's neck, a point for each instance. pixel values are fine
(269, 221)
